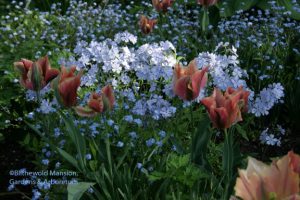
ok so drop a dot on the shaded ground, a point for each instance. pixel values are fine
(13, 157)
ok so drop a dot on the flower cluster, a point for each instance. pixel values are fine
(266, 99)
(272, 136)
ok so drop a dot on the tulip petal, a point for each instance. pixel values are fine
(68, 90)
(181, 88)
(295, 161)
(85, 111)
(44, 64)
(97, 105)
(108, 92)
(20, 67)
(208, 102)
(199, 80)
(275, 181)
(27, 63)
(51, 74)
(221, 121)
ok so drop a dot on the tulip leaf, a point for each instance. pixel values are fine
(68, 157)
(200, 141)
(77, 138)
(231, 158)
(263, 4)
(290, 7)
(241, 131)
(75, 191)
(230, 7)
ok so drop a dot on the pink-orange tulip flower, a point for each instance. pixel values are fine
(35, 75)
(207, 3)
(146, 24)
(162, 5)
(98, 103)
(225, 110)
(66, 86)
(188, 81)
(278, 181)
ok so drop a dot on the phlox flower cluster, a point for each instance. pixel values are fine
(266, 99)
(272, 137)
(148, 62)
(224, 70)
(156, 106)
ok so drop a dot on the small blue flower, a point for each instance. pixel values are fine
(11, 187)
(120, 144)
(88, 156)
(159, 143)
(90, 190)
(139, 165)
(57, 165)
(110, 122)
(138, 121)
(162, 134)
(150, 142)
(48, 154)
(133, 135)
(128, 118)
(45, 162)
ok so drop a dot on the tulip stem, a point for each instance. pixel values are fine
(38, 98)
(192, 117)
(228, 161)
(205, 20)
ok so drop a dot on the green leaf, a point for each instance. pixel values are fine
(263, 4)
(155, 176)
(77, 139)
(75, 191)
(230, 7)
(200, 142)
(241, 131)
(27, 139)
(68, 157)
(175, 162)
(205, 20)
(1, 137)
(290, 7)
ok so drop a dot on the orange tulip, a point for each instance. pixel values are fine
(188, 81)
(66, 86)
(276, 181)
(98, 103)
(35, 75)
(207, 3)
(162, 5)
(225, 111)
(147, 24)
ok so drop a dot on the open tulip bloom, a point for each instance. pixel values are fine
(35, 75)
(188, 81)
(146, 24)
(66, 85)
(162, 5)
(225, 110)
(278, 181)
(98, 103)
